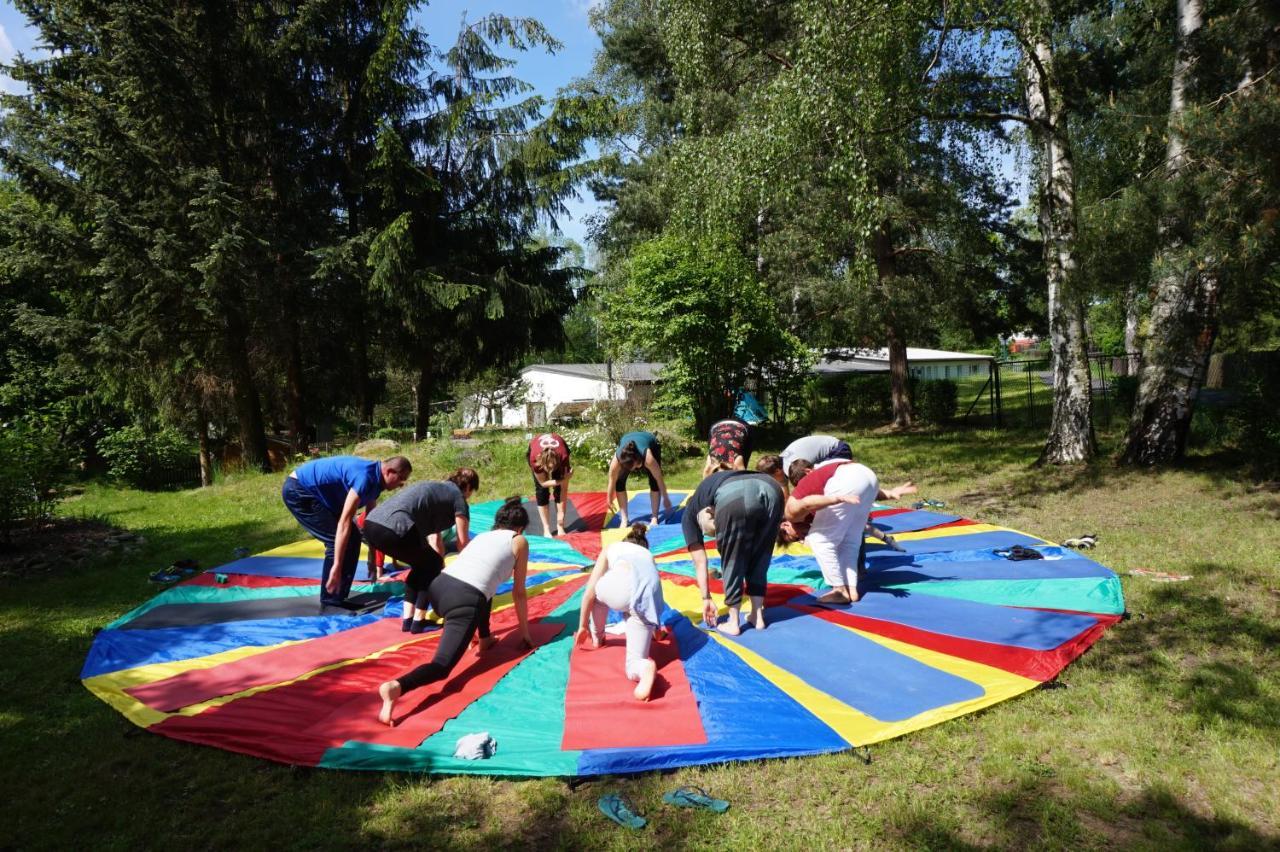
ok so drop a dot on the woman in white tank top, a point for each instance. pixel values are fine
(626, 579)
(462, 596)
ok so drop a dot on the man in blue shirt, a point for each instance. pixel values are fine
(324, 495)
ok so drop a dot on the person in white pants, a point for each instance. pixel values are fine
(626, 579)
(829, 509)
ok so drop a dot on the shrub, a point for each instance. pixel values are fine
(149, 460)
(935, 400)
(33, 468)
(1252, 418)
(1124, 390)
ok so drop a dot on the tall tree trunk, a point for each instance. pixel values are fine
(899, 374)
(1132, 359)
(1071, 437)
(1183, 322)
(202, 439)
(426, 380)
(253, 437)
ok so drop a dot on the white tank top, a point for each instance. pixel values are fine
(486, 562)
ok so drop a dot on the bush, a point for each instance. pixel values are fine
(33, 468)
(1253, 421)
(935, 400)
(1124, 391)
(149, 460)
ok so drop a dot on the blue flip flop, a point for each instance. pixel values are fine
(618, 809)
(695, 797)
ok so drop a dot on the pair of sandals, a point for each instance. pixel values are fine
(1084, 542)
(180, 570)
(929, 504)
(620, 809)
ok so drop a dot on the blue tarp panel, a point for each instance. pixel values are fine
(303, 567)
(986, 569)
(912, 521)
(1002, 625)
(993, 539)
(114, 650)
(724, 685)
(872, 679)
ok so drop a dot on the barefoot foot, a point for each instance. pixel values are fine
(834, 597)
(730, 627)
(388, 692)
(757, 619)
(645, 686)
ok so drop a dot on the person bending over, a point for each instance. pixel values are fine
(463, 594)
(406, 525)
(549, 461)
(324, 496)
(814, 449)
(741, 511)
(729, 446)
(829, 508)
(626, 579)
(636, 451)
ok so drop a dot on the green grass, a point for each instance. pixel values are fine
(1166, 733)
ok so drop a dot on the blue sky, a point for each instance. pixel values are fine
(566, 19)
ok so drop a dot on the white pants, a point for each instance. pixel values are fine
(837, 531)
(613, 591)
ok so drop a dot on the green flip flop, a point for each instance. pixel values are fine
(695, 797)
(618, 809)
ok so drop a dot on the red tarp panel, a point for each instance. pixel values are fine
(287, 724)
(278, 666)
(424, 712)
(248, 581)
(601, 712)
(592, 508)
(1036, 665)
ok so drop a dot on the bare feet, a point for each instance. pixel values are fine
(562, 532)
(757, 619)
(730, 627)
(835, 596)
(388, 692)
(647, 672)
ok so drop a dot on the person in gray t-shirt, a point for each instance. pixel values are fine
(814, 449)
(409, 528)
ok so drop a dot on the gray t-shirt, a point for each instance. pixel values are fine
(814, 448)
(430, 506)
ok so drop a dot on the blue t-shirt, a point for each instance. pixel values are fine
(645, 441)
(329, 479)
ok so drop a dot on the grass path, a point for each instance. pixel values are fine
(1166, 734)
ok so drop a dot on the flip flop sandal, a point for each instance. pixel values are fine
(929, 504)
(1084, 542)
(620, 810)
(164, 576)
(695, 797)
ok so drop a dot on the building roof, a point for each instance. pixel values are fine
(854, 360)
(636, 371)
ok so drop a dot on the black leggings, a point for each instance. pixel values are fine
(465, 610)
(424, 563)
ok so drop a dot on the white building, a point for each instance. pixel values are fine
(923, 363)
(555, 391)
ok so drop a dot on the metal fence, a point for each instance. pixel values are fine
(1019, 392)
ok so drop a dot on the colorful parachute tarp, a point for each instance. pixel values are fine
(946, 628)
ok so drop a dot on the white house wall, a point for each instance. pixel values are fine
(556, 388)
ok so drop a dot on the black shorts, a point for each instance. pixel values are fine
(621, 483)
(543, 495)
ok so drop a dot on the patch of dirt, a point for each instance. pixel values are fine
(61, 543)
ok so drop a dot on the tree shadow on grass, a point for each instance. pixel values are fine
(1037, 809)
(1199, 650)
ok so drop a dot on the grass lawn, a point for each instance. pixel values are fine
(1167, 731)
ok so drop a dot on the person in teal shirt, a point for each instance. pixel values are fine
(637, 451)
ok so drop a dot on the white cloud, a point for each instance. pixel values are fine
(6, 46)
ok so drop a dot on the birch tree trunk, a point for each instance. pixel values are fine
(1183, 323)
(1071, 436)
(1132, 361)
